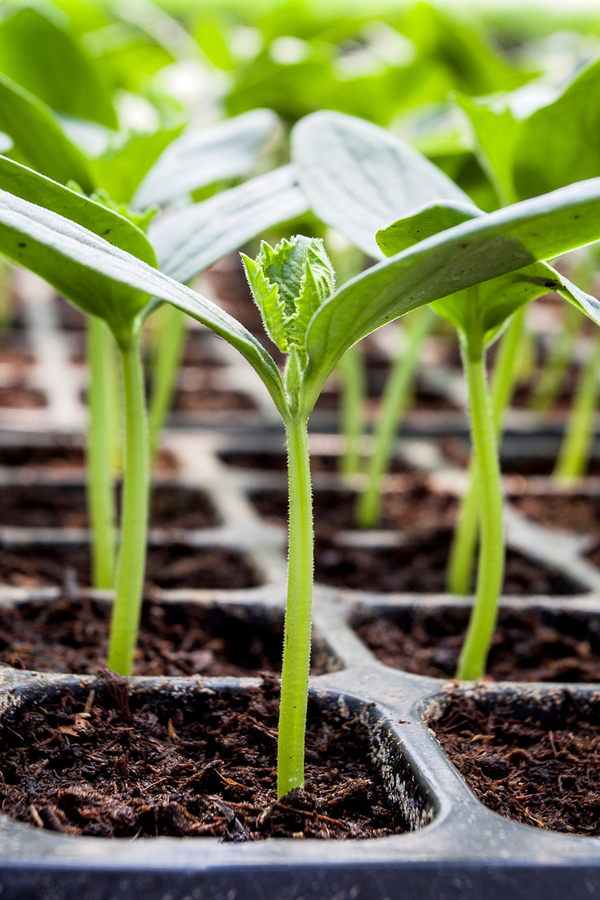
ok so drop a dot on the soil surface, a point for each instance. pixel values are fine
(212, 401)
(168, 566)
(420, 565)
(18, 397)
(423, 399)
(277, 462)
(413, 507)
(544, 775)
(65, 457)
(50, 506)
(458, 449)
(528, 645)
(570, 512)
(205, 764)
(175, 639)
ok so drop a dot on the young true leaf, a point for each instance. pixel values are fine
(47, 62)
(270, 304)
(196, 159)
(358, 177)
(193, 238)
(289, 283)
(38, 139)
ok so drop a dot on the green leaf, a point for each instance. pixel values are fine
(226, 150)
(270, 304)
(359, 177)
(37, 138)
(429, 220)
(95, 293)
(121, 170)
(289, 283)
(497, 134)
(47, 62)
(486, 247)
(189, 240)
(558, 144)
(65, 252)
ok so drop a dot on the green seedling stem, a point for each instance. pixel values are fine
(102, 435)
(173, 332)
(351, 369)
(491, 556)
(559, 358)
(575, 449)
(393, 405)
(134, 519)
(298, 615)
(464, 544)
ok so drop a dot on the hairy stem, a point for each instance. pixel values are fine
(491, 556)
(102, 436)
(134, 519)
(351, 369)
(575, 449)
(393, 404)
(296, 646)
(166, 366)
(464, 544)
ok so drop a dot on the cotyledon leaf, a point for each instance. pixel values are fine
(358, 177)
(93, 292)
(199, 158)
(46, 242)
(38, 139)
(474, 251)
(189, 240)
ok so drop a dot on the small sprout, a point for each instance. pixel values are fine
(289, 283)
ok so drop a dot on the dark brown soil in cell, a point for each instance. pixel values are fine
(528, 645)
(524, 394)
(411, 507)
(21, 398)
(197, 350)
(319, 462)
(527, 461)
(212, 401)
(59, 458)
(49, 506)
(186, 765)
(420, 565)
(168, 566)
(541, 774)
(423, 399)
(175, 639)
(17, 360)
(571, 512)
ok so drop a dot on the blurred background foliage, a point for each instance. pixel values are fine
(113, 68)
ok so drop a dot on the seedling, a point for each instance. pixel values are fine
(93, 273)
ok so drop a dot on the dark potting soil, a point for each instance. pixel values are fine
(571, 512)
(319, 462)
(528, 645)
(169, 566)
(528, 462)
(175, 639)
(120, 766)
(56, 457)
(541, 774)
(212, 401)
(420, 566)
(423, 399)
(18, 397)
(411, 507)
(49, 506)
